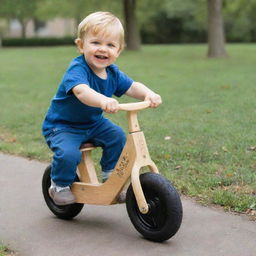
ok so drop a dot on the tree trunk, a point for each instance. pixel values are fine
(216, 35)
(23, 24)
(131, 26)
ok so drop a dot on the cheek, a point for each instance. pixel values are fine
(92, 49)
(82, 50)
(115, 54)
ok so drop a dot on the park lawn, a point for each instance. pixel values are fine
(203, 136)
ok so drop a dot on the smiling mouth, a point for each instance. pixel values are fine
(101, 57)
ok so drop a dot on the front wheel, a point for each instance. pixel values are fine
(63, 212)
(164, 217)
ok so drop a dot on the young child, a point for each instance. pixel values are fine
(76, 111)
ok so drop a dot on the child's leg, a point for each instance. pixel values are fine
(67, 156)
(112, 140)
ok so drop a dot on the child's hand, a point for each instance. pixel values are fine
(154, 98)
(110, 105)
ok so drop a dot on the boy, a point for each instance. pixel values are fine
(75, 114)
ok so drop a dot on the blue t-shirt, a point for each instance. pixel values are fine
(66, 111)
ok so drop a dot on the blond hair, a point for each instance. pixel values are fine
(99, 22)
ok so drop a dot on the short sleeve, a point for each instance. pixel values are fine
(75, 75)
(124, 82)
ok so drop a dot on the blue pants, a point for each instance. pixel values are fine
(65, 145)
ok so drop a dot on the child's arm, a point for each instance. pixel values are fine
(142, 92)
(94, 99)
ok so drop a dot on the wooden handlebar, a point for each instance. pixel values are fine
(134, 106)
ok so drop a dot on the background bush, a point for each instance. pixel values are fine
(49, 41)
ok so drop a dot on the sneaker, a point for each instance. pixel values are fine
(61, 195)
(122, 197)
(105, 175)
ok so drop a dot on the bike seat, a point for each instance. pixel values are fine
(87, 146)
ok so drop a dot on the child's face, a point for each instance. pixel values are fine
(99, 50)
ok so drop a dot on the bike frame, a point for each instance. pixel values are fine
(134, 156)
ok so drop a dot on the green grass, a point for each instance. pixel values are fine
(208, 113)
(4, 251)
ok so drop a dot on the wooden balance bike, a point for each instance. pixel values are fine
(153, 204)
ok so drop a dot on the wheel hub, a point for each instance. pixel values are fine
(153, 205)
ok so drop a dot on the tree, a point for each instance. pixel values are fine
(23, 11)
(216, 35)
(76, 9)
(3, 28)
(131, 25)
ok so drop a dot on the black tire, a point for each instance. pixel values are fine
(63, 212)
(165, 209)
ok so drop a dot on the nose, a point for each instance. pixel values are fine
(102, 48)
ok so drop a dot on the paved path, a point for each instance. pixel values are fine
(28, 227)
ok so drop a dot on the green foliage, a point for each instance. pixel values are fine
(147, 9)
(77, 9)
(24, 9)
(164, 29)
(187, 21)
(240, 19)
(192, 13)
(175, 21)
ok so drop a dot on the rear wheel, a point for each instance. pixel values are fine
(63, 212)
(164, 217)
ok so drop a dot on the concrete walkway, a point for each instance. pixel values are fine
(28, 227)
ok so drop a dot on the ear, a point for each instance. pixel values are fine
(79, 45)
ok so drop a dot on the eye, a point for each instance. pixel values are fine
(95, 42)
(111, 45)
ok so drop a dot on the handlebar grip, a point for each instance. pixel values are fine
(134, 106)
